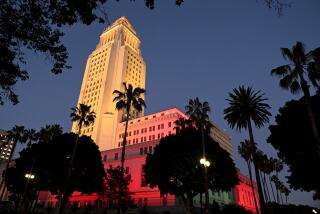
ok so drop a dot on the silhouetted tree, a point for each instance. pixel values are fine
(247, 106)
(48, 132)
(245, 151)
(128, 101)
(113, 181)
(82, 116)
(293, 77)
(292, 137)
(198, 113)
(52, 166)
(174, 166)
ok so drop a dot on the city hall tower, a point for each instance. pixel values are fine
(116, 59)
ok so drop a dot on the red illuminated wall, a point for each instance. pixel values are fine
(144, 134)
(244, 193)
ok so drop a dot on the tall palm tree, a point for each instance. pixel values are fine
(198, 113)
(245, 151)
(83, 116)
(247, 106)
(294, 74)
(128, 101)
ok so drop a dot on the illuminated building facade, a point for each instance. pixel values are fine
(244, 194)
(6, 149)
(116, 59)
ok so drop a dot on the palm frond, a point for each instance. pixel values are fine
(281, 70)
(286, 53)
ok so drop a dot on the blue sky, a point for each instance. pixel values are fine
(203, 48)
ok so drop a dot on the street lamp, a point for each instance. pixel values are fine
(314, 211)
(29, 176)
(204, 162)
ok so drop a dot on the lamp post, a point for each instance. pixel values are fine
(205, 163)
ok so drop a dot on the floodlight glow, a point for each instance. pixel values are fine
(29, 176)
(202, 161)
(314, 211)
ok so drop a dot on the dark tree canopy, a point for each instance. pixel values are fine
(51, 162)
(113, 181)
(293, 139)
(175, 168)
(36, 25)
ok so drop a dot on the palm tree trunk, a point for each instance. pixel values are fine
(253, 190)
(123, 153)
(260, 191)
(267, 188)
(307, 99)
(274, 197)
(65, 195)
(205, 175)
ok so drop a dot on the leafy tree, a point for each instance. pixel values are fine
(293, 77)
(247, 106)
(128, 101)
(245, 151)
(174, 166)
(36, 26)
(82, 116)
(113, 181)
(51, 167)
(292, 137)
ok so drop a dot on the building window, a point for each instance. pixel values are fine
(145, 139)
(150, 129)
(138, 131)
(141, 151)
(116, 156)
(169, 124)
(159, 127)
(158, 136)
(169, 133)
(145, 150)
(141, 139)
(105, 158)
(162, 126)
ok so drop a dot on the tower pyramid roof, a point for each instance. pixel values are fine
(122, 21)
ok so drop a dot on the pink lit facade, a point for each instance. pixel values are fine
(244, 194)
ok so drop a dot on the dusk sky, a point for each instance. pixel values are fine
(202, 48)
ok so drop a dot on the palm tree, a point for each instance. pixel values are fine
(245, 151)
(247, 106)
(181, 124)
(128, 101)
(48, 132)
(83, 116)
(198, 113)
(293, 77)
